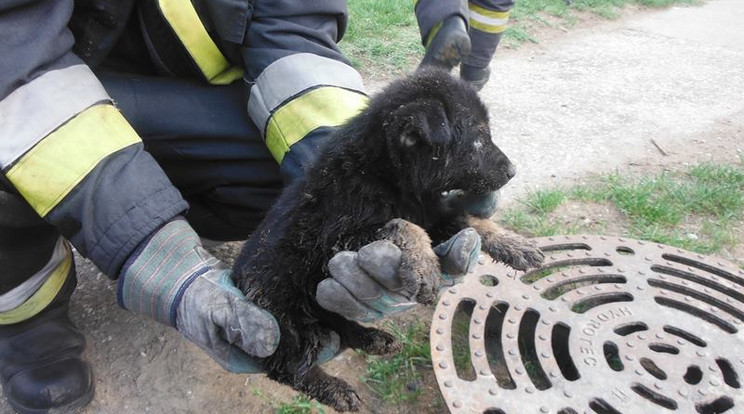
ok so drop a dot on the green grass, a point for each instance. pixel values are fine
(382, 37)
(535, 224)
(545, 201)
(697, 209)
(301, 404)
(396, 378)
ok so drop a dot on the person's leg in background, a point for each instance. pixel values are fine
(444, 32)
(40, 349)
(488, 19)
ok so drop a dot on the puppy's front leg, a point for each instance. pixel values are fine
(329, 390)
(419, 267)
(505, 246)
(370, 340)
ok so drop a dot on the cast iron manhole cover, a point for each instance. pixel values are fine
(608, 325)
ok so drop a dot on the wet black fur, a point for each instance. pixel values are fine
(424, 134)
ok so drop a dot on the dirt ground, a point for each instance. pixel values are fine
(651, 91)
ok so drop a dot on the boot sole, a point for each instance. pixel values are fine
(70, 408)
(447, 51)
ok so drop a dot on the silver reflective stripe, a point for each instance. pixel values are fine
(37, 108)
(488, 20)
(16, 297)
(289, 76)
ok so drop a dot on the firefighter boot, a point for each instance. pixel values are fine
(476, 77)
(41, 367)
(447, 44)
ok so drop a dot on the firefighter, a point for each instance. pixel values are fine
(456, 32)
(131, 128)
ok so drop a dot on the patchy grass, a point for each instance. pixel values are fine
(545, 201)
(527, 16)
(382, 38)
(699, 209)
(396, 378)
(300, 404)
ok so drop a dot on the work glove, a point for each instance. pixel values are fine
(172, 279)
(365, 285)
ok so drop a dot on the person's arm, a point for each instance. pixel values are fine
(75, 159)
(65, 148)
(301, 86)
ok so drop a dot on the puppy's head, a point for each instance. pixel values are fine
(438, 136)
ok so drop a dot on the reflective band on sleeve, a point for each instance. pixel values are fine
(39, 107)
(50, 170)
(290, 76)
(488, 21)
(19, 294)
(44, 295)
(184, 20)
(326, 106)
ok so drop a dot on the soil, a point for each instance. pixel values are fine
(591, 218)
(559, 129)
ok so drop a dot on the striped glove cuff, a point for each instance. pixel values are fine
(155, 276)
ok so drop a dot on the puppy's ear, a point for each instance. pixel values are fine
(423, 121)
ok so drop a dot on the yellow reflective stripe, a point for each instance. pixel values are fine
(488, 21)
(486, 27)
(324, 106)
(488, 13)
(184, 20)
(43, 297)
(50, 170)
(433, 32)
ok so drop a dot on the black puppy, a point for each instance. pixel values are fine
(380, 176)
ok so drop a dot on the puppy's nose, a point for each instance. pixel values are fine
(511, 171)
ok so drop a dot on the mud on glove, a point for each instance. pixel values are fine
(365, 285)
(172, 279)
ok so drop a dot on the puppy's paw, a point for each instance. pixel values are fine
(328, 390)
(371, 340)
(341, 396)
(506, 247)
(428, 272)
(419, 270)
(516, 252)
(377, 342)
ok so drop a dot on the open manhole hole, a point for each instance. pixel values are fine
(608, 325)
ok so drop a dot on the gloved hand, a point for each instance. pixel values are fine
(366, 286)
(172, 279)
